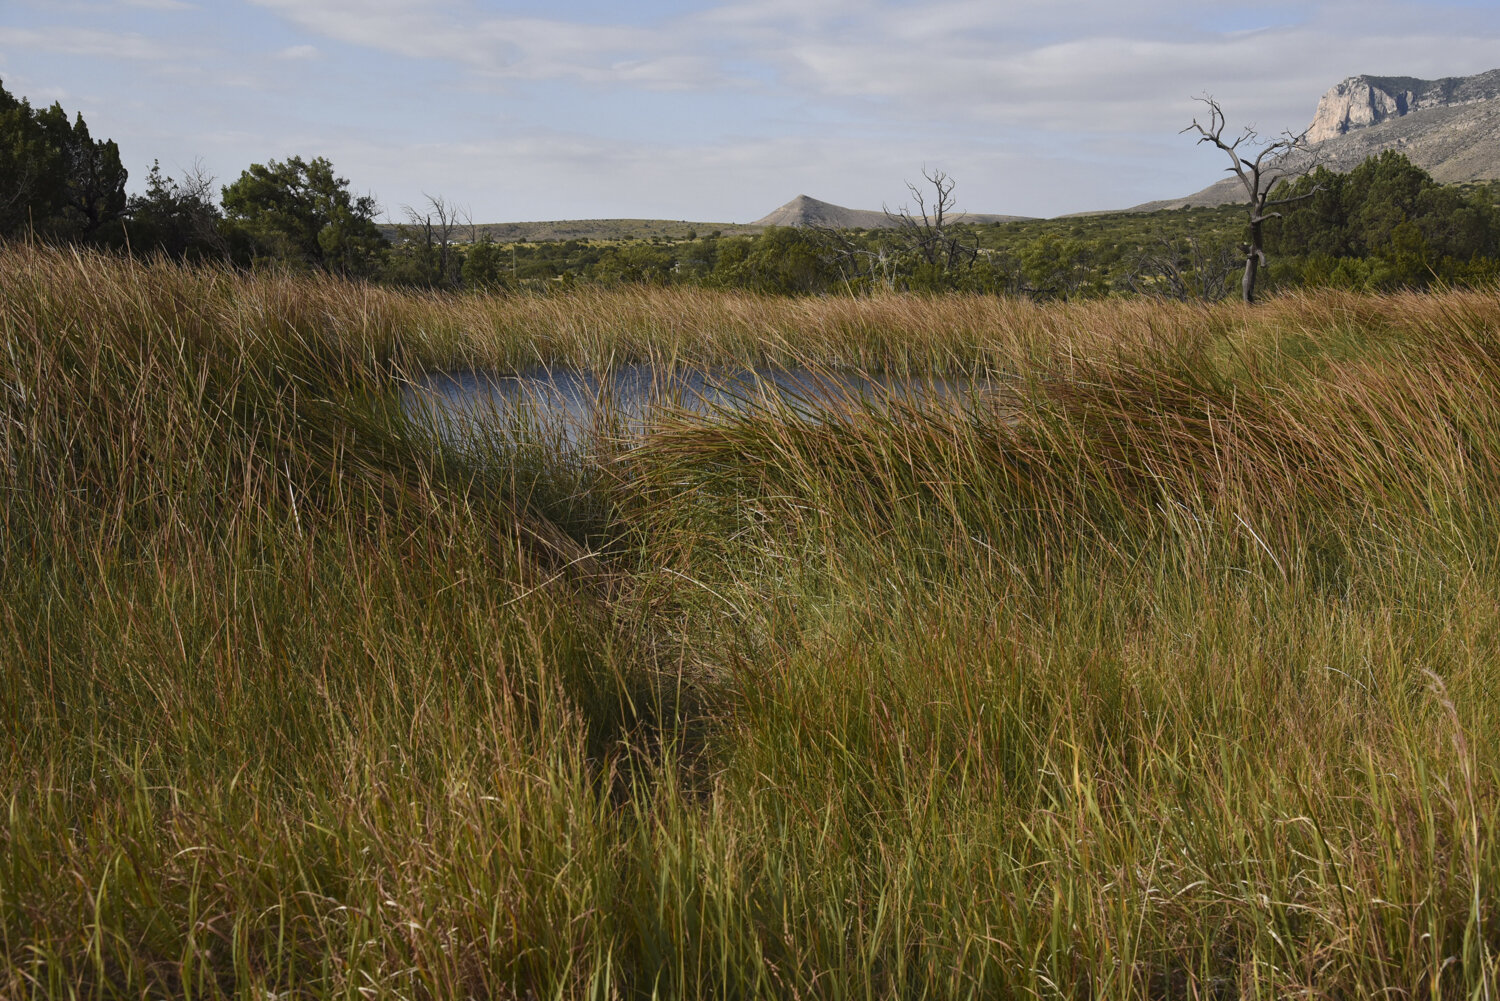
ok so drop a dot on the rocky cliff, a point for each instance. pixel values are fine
(1361, 101)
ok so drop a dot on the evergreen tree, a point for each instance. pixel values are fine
(299, 212)
(1387, 224)
(55, 180)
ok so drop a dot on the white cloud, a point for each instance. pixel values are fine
(521, 48)
(1070, 65)
(87, 42)
(298, 52)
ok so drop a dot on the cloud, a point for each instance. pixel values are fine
(1065, 65)
(412, 28)
(87, 42)
(513, 48)
(1115, 77)
(298, 52)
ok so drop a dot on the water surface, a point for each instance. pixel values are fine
(572, 406)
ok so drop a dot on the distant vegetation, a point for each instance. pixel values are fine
(1384, 226)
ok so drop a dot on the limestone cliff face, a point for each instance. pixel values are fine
(1362, 101)
(1351, 104)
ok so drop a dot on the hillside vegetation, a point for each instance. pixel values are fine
(1169, 674)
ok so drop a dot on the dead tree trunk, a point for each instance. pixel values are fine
(1254, 254)
(1258, 176)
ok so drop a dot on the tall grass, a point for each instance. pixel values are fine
(1170, 671)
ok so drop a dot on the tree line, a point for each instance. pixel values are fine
(58, 183)
(1384, 225)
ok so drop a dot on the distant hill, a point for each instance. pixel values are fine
(810, 212)
(805, 211)
(800, 211)
(1448, 127)
(586, 229)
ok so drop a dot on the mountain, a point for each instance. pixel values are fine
(1364, 101)
(1453, 143)
(810, 212)
(1448, 127)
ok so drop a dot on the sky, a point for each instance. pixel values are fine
(714, 111)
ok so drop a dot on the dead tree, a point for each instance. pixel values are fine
(438, 236)
(1273, 162)
(859, 266)
(926, 233)
(197, 193)
(1185, 270)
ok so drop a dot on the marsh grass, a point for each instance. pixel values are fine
(1168, 672)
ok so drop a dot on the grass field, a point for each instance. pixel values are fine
(1175, 676)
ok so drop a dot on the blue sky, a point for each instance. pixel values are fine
(713, 111)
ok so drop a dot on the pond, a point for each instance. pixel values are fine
(570, 406)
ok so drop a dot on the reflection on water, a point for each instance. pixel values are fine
(570, 406)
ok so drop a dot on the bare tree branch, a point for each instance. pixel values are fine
(926, 232)
(1184, 270)
(438, 236)
(1274, 162)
